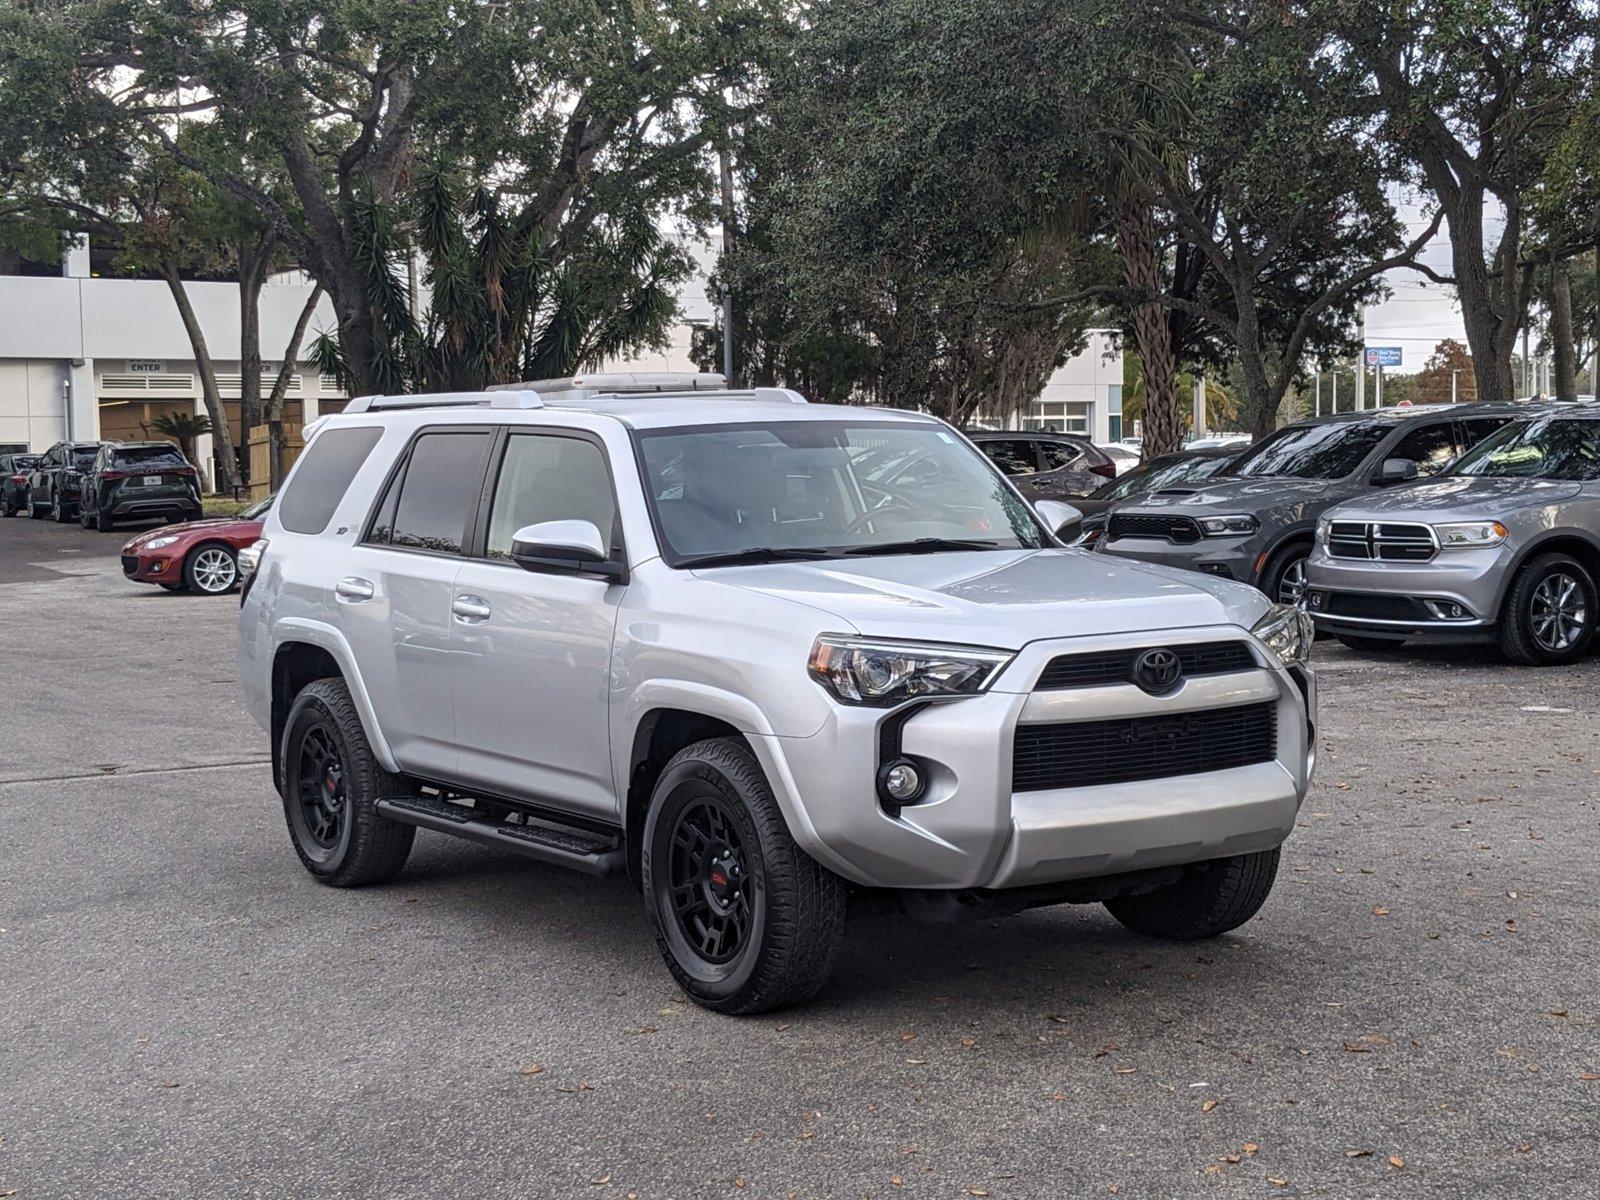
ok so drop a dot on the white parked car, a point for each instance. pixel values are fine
(1122, 457)
(649, 624)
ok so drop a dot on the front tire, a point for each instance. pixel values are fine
(746, 920)
(59, 512)
(211, 570)
(1284, 578)
(35, 513)
(331, 785)
(1548, 618)
(1211, 899)
(102, 522)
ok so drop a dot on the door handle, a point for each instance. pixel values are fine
(470, 610)
(353, 590)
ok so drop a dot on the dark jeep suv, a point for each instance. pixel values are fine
(1047, 466)
(1258, 523)
(139, 481)
(55, 482)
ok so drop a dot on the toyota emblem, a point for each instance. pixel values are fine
(1157, 671)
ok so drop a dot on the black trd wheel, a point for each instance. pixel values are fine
(1211, 898)
(1548, 618)
(331, 786)
(1356, 642)
(746, 920)
(1284, 578)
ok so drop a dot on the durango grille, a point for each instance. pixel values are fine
(1091, 753)
(1181, 530)
(1383, 540)
(1103, 667)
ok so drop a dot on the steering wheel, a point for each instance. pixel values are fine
(873, 514)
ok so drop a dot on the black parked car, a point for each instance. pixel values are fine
(1047, 466)
(1164, 473)
(56, 480)
(139, 481)
(14, 470)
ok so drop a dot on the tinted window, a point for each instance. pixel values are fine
(82, 456)
(323, 475)
(1551, 448)
(549, 478)
(145, 456)
(1478, 428)
(1326, 451)
(1012, 457)
(1432, 448)
(438, 492)
(1059, 455)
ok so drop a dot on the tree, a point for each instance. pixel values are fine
(183, 428)
(1447, 376)
(570, 107)
(1477, 96)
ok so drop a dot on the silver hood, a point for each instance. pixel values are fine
(1456, 498)
(1004, 599)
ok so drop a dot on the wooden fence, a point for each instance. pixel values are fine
(261, 456)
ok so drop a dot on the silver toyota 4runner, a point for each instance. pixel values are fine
(697, 636)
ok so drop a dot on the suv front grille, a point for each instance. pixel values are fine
(1092, 753)
(1181, 530)
(1103, 667)
(1383, 540)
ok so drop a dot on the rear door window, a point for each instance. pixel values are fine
(1013, 456)
(432, 499)
(323, 475)
(1432, 447)
(1475, 429)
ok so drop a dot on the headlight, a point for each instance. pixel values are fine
(158, 543)
(1288, 632)
(1470, 533)
(250, 557)
(1229, 526)
(859, 671)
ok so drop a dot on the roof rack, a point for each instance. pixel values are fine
(579, 389)
(517, 396)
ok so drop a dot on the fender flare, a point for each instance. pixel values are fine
(1300, 531)
(1564, 533)
(326, 637)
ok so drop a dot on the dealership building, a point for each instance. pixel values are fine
(86, 357)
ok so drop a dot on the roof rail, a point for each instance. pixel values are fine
(516, 397)
(623, 382)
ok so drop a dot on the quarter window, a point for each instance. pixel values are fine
(1012, 457)
(323, 475)
(1059, 455)
(545, 477)
(437, 491)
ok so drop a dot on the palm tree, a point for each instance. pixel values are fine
(181, 427)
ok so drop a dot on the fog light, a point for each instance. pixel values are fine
(901, 781)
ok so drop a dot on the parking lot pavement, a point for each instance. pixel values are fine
(184, 1013)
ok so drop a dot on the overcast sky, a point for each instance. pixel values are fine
(1419, 313)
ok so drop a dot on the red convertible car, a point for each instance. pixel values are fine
(201, 556)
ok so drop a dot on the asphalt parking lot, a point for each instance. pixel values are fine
(186, 1014)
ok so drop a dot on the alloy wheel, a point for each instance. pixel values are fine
(1558, 612)
(708, 881)
(1292, 583)
(320, 790)
(214, 570)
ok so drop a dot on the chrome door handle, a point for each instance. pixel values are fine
(354, 590)
(470, 610)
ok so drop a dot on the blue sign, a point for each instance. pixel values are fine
(1383, 356)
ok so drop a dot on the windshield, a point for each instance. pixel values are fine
(84, 455)
(1549, 448)
(812, 489)
(1328, 451)
(258, 511)
(1157, 474)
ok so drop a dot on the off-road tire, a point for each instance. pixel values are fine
(371, 847)
(1357, 642)
(796, 905)
(1517, 640)
(1211, 898)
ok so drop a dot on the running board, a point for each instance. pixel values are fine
(579, 849)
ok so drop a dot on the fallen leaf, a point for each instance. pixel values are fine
(908, 1037)
(170, 1083)
(1251, 1147)
(976, 1192)
(1380, 911)
(1357, 1048)
(532, 1069)
(1589, 1076)
(1123, 1070)
(1209, 1105)
(1396, 1161)
(602, 1180)
(1358, 1153)
(739, 1181)
(896, 1181)
(1278, 1181)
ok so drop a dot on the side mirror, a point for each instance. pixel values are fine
(1058, 517)
(565, 548)
(1396, 470)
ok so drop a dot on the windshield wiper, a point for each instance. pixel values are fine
(755, 554)
(927, 545)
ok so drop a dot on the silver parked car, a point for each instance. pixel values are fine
(677, 634)
(1505, 546)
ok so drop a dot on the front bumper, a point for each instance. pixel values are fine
(1228, 557)
(159, 566)
(971, 830)
(1453, 597)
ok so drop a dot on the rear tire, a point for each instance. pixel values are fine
(1211, 898)
(746, 920)
(1548, 618)
(1356, 642)
(331, 787)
